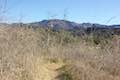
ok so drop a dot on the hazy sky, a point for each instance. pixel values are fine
(94, 11)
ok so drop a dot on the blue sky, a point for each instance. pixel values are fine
(94, 11)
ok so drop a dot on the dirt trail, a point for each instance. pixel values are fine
(53, 70)
(48, 71)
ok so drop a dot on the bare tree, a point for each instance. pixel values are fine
(112, 18)
(3, 8)
(65, 15)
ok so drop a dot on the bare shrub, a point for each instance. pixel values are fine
(23, 52)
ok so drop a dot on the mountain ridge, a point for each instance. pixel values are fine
(63, 24)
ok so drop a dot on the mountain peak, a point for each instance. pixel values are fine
(56, 24)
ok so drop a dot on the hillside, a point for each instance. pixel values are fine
(62, 24)
(40, 54)
(57, 24)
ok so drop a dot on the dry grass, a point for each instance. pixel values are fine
(28, 54)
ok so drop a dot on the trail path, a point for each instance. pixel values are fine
(48, 71)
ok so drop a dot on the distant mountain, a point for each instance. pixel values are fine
(77, 28)
(61, 24)
(57, 24)
(64, 24)
(4, 25)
